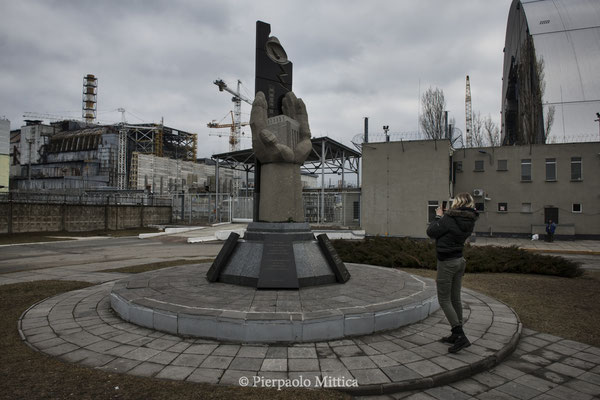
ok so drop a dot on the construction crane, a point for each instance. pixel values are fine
(51, 117)
(468, 116)
(233, 138)
(237, 99)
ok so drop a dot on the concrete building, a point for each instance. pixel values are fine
(516, 188)
(161, 175)
(4, 154)
(551, 64)
(401, 181)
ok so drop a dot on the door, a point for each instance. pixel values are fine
(551, 213)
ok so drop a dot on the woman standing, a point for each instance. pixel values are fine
(450, 230)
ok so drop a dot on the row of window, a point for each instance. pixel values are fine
(576, 208)
(502, 165)
(526, 207)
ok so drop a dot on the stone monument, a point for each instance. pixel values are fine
(278, 251)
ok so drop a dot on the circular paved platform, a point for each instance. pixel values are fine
(81, 327)
(181, 301)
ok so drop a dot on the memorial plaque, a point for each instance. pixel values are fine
(217, 266)
(278, 267)
(273, 69)
(335, 262)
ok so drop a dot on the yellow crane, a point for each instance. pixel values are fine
(233, 137)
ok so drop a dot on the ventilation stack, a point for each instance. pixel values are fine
(90, 92)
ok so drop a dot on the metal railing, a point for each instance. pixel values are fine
(87, 198)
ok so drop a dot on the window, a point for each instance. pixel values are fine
(458, 166)
(502, 165)
(551, 169)
(526, 170)
(526, 207)
(577, 208)
(356, 210)
(431, 206)
(502, 207)
(576, 168)
(478, 165)
(480, 207)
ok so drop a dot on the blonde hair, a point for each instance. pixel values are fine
(463, 200)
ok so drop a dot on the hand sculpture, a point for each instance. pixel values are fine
(265, 144)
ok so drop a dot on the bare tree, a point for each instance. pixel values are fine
(549, 121)
(491, 131)
(432, 117)
(477, 137)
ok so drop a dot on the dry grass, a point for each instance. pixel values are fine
(136, 269)
(26, 374)
(565, 307)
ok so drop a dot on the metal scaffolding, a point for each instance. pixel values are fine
(327, 157)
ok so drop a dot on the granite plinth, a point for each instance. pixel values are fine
(277, 256)
(180, 301)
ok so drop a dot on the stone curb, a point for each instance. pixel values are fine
(559, 251)
(443, 378)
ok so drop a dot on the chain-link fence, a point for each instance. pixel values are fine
(335, 209)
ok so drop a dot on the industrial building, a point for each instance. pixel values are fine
(516, 188)
(76, 156)
(550, 85)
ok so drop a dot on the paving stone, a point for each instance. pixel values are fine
(331, 364)
(246, 363)
(253, 351)
(559, 348)
(232, 377)
(301, 352)
(587, 356)
(420, 396)
(400, 373)
(141, 354)
(489, 379)
(447, 393)
(574, 345)
(590, 377)
(358, 362)
(534, 359)
(381, 360)
(386, 347)
(565, 369)
(216, 362)
(470, 386)
(303, 364)
(551, 376)
(564, 392)
(448, 363)
(161, 344)
(120, 365)
(370, 376)
(425, 368)
(585, 387)
(173, 372)
(164, 357)
(494, 394)
(189, 360)
(200, 349)
(541, 385)
(348, 351)
(405, 356)
(577, 363)
(205, 375)
(146, 369)
(226, 350)
(274, 365)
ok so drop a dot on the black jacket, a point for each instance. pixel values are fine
(451, 231)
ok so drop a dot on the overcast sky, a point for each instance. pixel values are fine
(352, 59)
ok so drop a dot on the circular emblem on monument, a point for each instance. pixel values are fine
(275, 51)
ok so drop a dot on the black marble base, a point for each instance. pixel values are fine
(277, 256)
